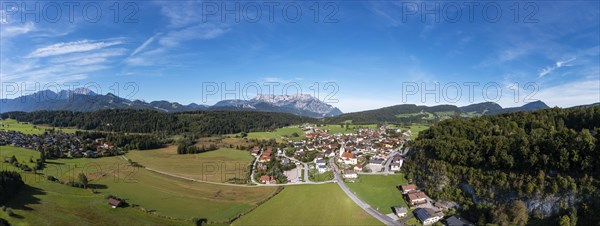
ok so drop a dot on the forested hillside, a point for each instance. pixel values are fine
(200, 123)
(550, 159)
(405, 113)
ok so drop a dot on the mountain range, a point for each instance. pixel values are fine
(85, 100)
(411, 113)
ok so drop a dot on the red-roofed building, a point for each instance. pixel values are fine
(349, 158)
(408, 188)
(417, 198)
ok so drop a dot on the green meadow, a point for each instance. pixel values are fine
(28, 128)
(324, 204)
(278, 133)
(380, 191)
(45, 202)
(216, 166)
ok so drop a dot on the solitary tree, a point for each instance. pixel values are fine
(83, 180)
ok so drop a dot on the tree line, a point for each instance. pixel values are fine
(488, 162)
(201, 123)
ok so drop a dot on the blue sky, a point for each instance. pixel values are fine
(360, 54)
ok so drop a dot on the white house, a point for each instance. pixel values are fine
(395, 166)
(400, 211)
(349, 158)
(350, 174)
(428, 216)
(322, 168)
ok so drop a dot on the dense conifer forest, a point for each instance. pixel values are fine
(200, 123)
(549, 159)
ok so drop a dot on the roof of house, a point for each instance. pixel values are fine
(348, 155)
(425, 213)
(417, 195)
(407, 187)
(457, 221)
(399, 209)
(114, 202)
(264, 178)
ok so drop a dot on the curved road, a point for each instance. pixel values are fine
(381, 217)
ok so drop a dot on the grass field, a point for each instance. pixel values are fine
(217, 166)
(415, 129)
(286, 131)
(315, 176)
(324, 204)
(380, 191)
(23, 127)
(164, 195)
(336, 128)
(28, 128)
(43, 202)
(184, 199)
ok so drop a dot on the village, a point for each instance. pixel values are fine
(344, 157)
(59, 144)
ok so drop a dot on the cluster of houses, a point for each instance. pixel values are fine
(59, 144)
(424, 209)
(359, 151)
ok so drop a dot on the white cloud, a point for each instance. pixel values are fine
(197, 32)
(557, 65)
(15, 30)
(70, 47)
(571, 94)
(144, 45)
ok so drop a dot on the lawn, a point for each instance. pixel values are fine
(286, 131)
(416, 129)
(23, 127)
(217, 166)
(380, 191)
(337, 128)
(315, 176)
(43, 202)
(324, 204)
(28, 128)
(181, 198)
(164, 195)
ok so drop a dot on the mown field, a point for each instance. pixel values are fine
(278, 133)
(28, 128)
(45, 202)
(337, 128)
(324, 204)
(380, 191)
(216, 166)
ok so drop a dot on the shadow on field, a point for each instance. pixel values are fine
(98, 186)
(25, 197)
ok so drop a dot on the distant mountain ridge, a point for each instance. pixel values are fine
(410, 113)
(303, 104)
(85, 100)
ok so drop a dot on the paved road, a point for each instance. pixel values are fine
(381, 217)
(306, 180)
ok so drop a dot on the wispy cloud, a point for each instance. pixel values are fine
(62, 61)
(561, 63)
(144, 45)
(70, 47)
(197, 32)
